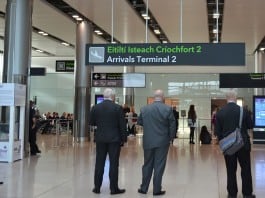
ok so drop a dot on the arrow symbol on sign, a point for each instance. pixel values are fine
(96, 76)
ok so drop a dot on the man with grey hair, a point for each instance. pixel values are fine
(227, 120)
(159, 128)
(110, 135)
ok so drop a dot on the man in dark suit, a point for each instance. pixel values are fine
(110, 135)
(159, 126)
(227, 120)
(176, 115)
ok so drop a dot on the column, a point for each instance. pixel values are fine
(259, 68)
(129, 92)
(17, 49)
(18, 33)
(82, 82)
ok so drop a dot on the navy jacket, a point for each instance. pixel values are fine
(227, 120)
(110, 121)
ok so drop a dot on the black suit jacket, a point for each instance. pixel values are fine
(227, 120)
(110, 121)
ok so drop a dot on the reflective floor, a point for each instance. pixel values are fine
(65, 170)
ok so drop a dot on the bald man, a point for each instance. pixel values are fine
(227, 120)
(109, 137)
(159, 129)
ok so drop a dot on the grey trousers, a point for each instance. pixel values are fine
(154, 160)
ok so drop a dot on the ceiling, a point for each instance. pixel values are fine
(242, 22)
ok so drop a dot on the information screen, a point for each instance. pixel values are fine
(259, 111)
(99, 98)
(133, 80)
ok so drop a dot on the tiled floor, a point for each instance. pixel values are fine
(66, 171)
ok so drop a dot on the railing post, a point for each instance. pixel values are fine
(56, 133)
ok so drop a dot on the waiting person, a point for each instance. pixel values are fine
(34, 149)
(227, 120)
(176, 116)
(132, 119)
(205, 136)
(159, 128)
(109, 119)
(32, 113)
(192, 122)
(213, 119)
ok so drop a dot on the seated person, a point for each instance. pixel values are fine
(205, 136)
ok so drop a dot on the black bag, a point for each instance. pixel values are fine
(234, 141)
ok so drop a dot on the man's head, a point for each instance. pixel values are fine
(159, 95)
(231, 95)
(31, 103)
(109, 94)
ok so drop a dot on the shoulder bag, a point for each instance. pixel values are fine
(234, 141)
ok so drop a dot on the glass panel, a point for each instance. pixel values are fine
(16, 127)
(4, 123)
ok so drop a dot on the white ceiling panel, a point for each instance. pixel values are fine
(46, 44)
(243, 22)
(53, 22)
(194, 26)
(127, 26)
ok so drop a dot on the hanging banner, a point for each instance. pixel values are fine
(155, 54)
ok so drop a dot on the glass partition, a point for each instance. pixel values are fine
(4, 123)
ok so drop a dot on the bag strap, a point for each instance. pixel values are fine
(241, 117)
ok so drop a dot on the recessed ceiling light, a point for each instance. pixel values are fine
(40, 32)
(145, 16)
(262, 48)
(75, 16)
(216, 15)
(215, 31)
(157, 31)
(64, 43)
(38, 50)
(79, 19)
(45, 34)
(164, 41)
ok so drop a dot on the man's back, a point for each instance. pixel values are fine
(110, 121)
(227, 120)
(158, 124)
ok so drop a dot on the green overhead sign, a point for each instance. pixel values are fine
(65, 66)
(155, 54)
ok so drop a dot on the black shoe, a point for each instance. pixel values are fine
(33, 154)
(161, 192)
(230, 196)
(141, 191)
(38, 151)
(117, 191)
(193, 142)
(95, 190)
(1, 182)
(249, 196)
